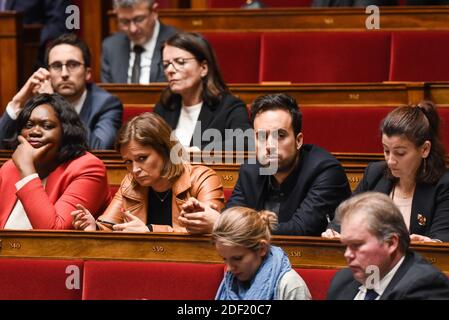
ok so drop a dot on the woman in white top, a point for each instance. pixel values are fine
(256, 270)
(197, 99)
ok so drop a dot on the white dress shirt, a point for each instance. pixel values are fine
(187, 122)
(383, 284)
(78, 105)
(146, 57)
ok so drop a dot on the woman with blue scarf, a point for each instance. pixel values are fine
(256, 270)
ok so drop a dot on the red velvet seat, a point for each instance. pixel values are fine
(150, 280)
(420, 56)
(444, 125)
(238, 55)
(113, 190)
(317, 280)
(33, 279)
(166, 4)
(131, 112)
(268, 3)
(344, 129)
(323, 57)
(227, 193)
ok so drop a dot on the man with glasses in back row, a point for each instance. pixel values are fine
(68, 73)
(134, 54)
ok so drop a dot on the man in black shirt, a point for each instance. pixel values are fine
(302, 183)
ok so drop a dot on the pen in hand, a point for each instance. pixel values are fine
(329, 225)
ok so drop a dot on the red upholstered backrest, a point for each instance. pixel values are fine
(344, 129)
(317, 280)
(32, 279)
(420, 56)
(227, 193)
(319, 57)
(113, 190)
(444, 125)
(238, 55)
(131, 112)
(165, 4)
(151, 280)
(268, 3)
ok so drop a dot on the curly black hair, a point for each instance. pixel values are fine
(74, 135)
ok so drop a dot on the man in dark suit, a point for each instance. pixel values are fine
(134, 54)
(68, 60)
(302, 183)
(50, 13)
(381, 266)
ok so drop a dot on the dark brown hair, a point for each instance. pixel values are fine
(74, 135)
(73, 40)
(278, 101)
(213, 83)
(419, 123)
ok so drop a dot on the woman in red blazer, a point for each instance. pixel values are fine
(50, 171)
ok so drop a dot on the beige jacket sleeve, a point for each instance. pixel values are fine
(207, 187)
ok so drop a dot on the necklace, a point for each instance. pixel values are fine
(162, 199)
(405, 196)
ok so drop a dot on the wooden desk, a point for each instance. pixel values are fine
(437, 92)
(354, 165)
(357, 94)
(228, 169)
(308, 252)
(11, 55)
(301, 19)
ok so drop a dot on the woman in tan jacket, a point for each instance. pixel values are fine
(157, 174)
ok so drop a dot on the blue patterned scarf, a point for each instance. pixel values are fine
(263, 285)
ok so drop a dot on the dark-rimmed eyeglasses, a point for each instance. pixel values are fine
(71, 65)
(177, 63)
(137, 21)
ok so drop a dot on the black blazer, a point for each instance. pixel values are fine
(102, 116)
(320, 187)
(230, 113)
(430, 205)
(416, 279)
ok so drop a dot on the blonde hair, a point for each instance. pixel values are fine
(240, 226)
